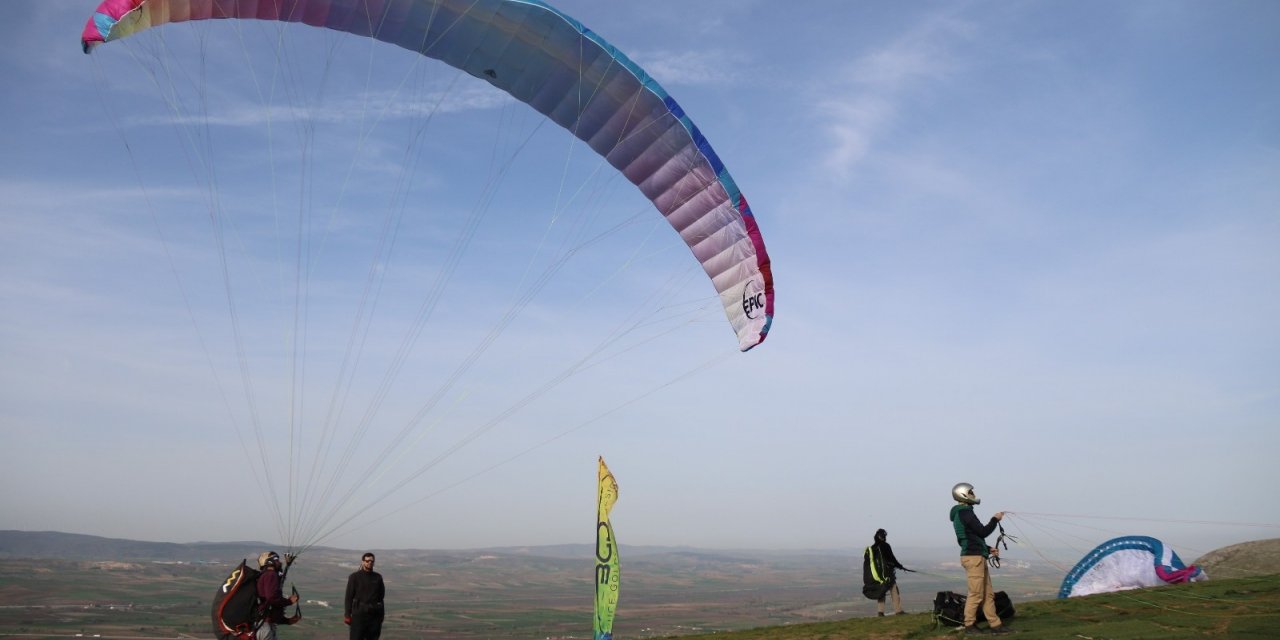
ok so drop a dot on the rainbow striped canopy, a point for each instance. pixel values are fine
(553, 63)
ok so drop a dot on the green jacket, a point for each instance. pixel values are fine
(970, 532)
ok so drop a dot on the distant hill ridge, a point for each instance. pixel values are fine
(1244, 560)
(75, 546)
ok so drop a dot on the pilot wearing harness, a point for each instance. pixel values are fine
(879, 577)
(974, 553)
(272, 599)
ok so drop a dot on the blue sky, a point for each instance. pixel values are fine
(1030, 246)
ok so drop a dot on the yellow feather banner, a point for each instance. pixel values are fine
(607, 570)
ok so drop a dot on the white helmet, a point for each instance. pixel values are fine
(963, 492)
(268, 557)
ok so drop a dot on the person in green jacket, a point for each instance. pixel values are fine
(971, 535)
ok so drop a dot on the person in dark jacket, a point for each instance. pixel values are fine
(363, 610)
(971, 535)
(271, 598)
(879, 573)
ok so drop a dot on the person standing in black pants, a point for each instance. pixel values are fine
(363, 610)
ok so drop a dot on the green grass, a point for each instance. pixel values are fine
(1240, 608)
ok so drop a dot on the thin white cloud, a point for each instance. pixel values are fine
(707, 68)
(865, 105)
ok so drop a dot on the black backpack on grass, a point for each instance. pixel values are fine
(235, 605)
(948, 608)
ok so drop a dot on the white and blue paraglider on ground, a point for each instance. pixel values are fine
(1127, 562)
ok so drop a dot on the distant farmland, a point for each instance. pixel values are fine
(471, 595)
(60, 585)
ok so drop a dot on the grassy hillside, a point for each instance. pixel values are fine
(1232, 608)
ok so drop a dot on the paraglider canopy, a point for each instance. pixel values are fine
(1127, 562)
(280, 269)
(567, 72)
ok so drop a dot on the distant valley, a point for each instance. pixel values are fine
(54, 583)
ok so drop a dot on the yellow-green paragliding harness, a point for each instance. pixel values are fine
(876, 579)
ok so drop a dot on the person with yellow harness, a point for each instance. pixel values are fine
(879, 573)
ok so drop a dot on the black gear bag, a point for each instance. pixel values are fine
(948, 608)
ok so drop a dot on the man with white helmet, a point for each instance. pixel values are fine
(971, 534)
(270, 595)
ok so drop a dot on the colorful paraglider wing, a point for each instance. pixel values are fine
(1128, 562)
(551, 62)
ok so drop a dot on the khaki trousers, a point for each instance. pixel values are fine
(897, 600)
(980, 592)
